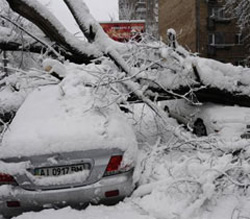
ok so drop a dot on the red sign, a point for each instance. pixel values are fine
(124, 31)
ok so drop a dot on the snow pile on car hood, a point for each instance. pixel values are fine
(74, 115)
(226, 114)
(230, 121)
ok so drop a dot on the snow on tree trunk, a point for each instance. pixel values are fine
(48, 23)
(241, 10)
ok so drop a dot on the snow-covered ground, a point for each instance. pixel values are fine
(230, 207)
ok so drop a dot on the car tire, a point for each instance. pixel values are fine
(199, 128)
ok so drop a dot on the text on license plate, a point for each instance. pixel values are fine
(61, 170)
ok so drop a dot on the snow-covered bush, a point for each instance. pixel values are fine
(203, 178)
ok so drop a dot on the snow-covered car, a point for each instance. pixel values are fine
(65, 147)
(208, 118)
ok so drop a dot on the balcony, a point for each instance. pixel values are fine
(222, 40)
(141, 4)
(218, 14)
(220, 19)
(219, 41)
(141, 10)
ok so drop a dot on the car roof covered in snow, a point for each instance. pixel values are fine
(67, 117)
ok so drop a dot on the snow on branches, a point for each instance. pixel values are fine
(241, 10)
(204, 178)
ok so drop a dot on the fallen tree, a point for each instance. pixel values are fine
(153, 71)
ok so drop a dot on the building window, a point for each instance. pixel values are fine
(217, 13)
(238, 39)
(216, 38)
(211, 51)
(211, 39)
(210, 24)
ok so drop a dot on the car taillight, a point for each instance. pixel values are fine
(6, 179)
(114, 166)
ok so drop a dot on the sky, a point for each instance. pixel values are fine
(102, 10)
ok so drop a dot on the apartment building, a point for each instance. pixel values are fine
(203, 26)
(146, 10)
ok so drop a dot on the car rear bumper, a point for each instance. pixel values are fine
(108, 190)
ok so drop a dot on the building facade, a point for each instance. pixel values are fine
(146, 10)
(203, 26)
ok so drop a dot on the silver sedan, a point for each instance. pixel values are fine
(56, 153)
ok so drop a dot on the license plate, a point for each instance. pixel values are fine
(61, 170)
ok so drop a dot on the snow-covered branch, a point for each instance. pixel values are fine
(48, 23)
(50, 48)
(241, 10)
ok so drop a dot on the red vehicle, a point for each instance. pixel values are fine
(123, 31)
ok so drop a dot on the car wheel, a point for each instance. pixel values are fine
(200, 128)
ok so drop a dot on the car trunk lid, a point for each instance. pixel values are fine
(60, 170)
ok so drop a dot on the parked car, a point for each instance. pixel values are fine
(210, 119)
(64, 149)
